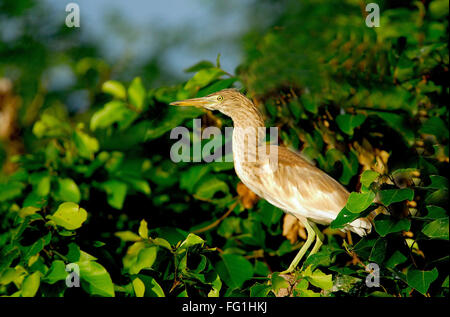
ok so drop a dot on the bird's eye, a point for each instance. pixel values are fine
(219, 98)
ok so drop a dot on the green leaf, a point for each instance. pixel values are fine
(380, 294)
(136, 93)
(378, 251)
(41, 183)
(11, 190)
(421, 280)
(446, 282)
(435, 126)
(216, 86)
(152, 288)
(127, 236)
(347, 122)
(67, 190)
(234, 270)
(86, 145)
(162, 243)
(398, 123)
(139, 287)
(57, 272)
(209, 187)
(322, 258)
(199, 66)
(386, 224)
(438, 182)
(396, 259)
(11, 274)
(358, 202)
(202, 78)
(350, 166)
(139, 185)
(114, 88)
(74, 252)
(343, 218)
(191, 240)
(36, 247)
(301, 289)
(216, 285)
(112, 112)
(278, 282)
(51, 127)
(389, 196)
(437, 229)
(98, 281)
(435, 212)
(69, 215)
(174, 116)
(318, 278)
(310, 102)
(28, 211)
(31, 284)
(438, 8)
(191, 177)
(116, 192)
(260, 290)
(368, 177)
(143, 229)
(144, 260)
(439, 197)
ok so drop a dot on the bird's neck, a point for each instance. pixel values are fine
(247, 116)
(249, 131)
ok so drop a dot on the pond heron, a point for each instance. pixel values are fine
(278, 174)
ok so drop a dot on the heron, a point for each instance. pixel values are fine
(281, 176)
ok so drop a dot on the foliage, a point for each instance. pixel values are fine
(366, 105)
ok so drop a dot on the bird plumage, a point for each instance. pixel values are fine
(285, 179)
(298, 188)
(277, 174)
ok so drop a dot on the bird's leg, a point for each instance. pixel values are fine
(305, 247)
(319, 239)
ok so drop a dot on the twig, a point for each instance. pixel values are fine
(218, 221)
(349, 238)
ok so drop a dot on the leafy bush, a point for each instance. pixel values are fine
(366, 105)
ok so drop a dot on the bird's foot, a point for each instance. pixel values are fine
(290, 270)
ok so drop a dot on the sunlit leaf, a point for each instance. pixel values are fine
(114, 88)
(143, 229)
(139, 287)
(368, 177)
(57, 272)
(95, 279)
(437, 229)
(358, 202)
(31, 284)
(69, 215)
(136, 93)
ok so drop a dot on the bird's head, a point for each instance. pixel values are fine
(226, 101)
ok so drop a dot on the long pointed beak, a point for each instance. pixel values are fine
(196, 102)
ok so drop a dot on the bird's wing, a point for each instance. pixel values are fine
(300, 188)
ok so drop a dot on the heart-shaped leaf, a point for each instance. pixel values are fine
(390, 196)
(358, 202)
(69, 216)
